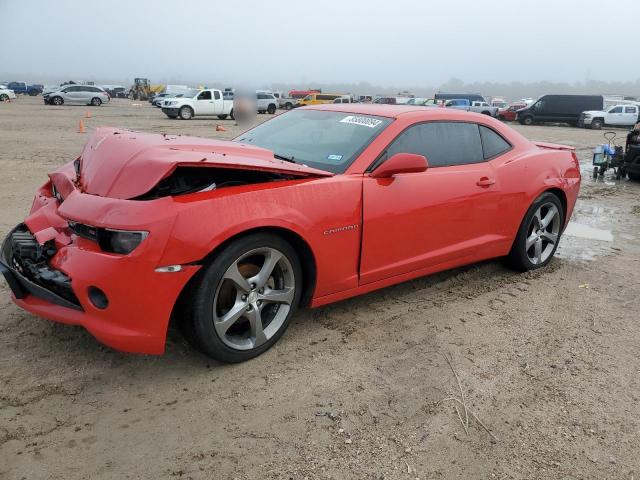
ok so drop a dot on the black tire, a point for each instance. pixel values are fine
(486, 113)
(33, 93)
(518, 258)
(528, 120)
(195, 310)
(634, 176)
(4, 97)
(56, 101)
(501, 117)
(271, 110)
(96, 102)
(288, 106)
(172, 117)
(261, 112)
(231, 115)
(186, 113)
(596, 170)
(222, 117)
(596, 124)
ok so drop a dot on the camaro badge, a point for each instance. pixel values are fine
(340, 229)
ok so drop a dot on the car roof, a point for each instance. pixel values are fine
(382, 110)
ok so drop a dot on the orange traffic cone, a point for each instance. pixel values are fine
(81, 127)
(220, 128)
(88, 114)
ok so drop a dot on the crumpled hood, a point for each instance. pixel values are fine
(124, 164)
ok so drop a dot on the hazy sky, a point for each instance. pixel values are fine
(394, 42)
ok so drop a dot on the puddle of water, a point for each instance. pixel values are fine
(590, 233)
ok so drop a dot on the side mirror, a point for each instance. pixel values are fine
(401, 163)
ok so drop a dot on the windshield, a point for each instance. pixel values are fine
(326, 140)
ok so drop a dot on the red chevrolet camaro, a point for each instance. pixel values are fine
(229, 238)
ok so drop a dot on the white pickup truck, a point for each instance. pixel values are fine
(619, 115)
(198, 103)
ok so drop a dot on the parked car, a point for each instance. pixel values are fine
(77, 95)
(344, 99)
(509, 112)
(25, 89)
(422, 101)
(158, 99)
(559, 109)
(198, 103)
(478, 107)
(616, 116)
(318, 98)
(290, 101)
(266, 102)
(319, 204)
(472, 97)
(6, 94)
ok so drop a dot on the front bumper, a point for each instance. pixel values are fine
(584, 121)
(170, 111)
(140, 300)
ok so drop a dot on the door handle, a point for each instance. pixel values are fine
(485, 182)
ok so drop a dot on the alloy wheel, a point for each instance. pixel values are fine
(543, 233)
(253, 299)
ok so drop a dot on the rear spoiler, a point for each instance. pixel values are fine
(553, 146)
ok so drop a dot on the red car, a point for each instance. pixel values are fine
(229, 238)
(509, 112)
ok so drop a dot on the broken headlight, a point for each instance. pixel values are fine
(110, 240)
(120, 241)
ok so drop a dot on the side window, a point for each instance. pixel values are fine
(216, 95)
(492, 143)
(206, 95)
(616, 110)
(443, 143)
(629, 109)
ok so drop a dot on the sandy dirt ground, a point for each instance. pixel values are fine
(548, 362)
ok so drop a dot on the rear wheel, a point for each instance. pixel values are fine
(186, 113)
(244, 299)
(634, 176)
(96, 102)
(222, 117)
(539, 234)
(231, 115)
(288, 106)
(4, 97)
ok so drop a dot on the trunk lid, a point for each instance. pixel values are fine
(553, 146)
(124, 164)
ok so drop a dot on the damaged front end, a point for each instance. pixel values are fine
(25, 265)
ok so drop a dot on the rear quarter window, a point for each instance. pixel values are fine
(492, 143)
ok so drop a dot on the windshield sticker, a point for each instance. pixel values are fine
(364, 121)
(335, 158)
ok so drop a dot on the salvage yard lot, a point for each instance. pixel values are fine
(548, 361)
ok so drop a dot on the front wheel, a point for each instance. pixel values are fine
(186, 113)
(596, 124)
(271, 109)
(4, 97)
(527, 121)
(539, 234)
(244, 299)
(57, 101)
(96, 102)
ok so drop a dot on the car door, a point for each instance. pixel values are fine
(615, 116)
(71, 95)
(443, 216)
(630, 116)
(204, 103)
